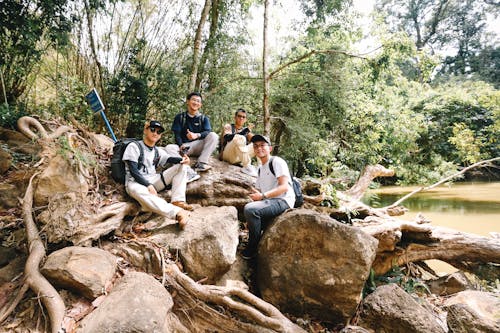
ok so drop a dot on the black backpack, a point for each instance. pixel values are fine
(118, 166)
(297, 189)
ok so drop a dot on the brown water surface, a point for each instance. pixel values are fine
(468, 207)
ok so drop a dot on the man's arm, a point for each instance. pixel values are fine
(207, 128)
(133, 167)
(275, 192)
(177, 129)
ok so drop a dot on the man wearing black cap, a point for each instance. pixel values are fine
(272, 195)
(143, 183)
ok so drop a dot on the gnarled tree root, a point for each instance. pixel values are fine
(36, 281)
(237, 300)
(24, 124)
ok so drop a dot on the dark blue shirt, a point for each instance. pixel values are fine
(197, 124)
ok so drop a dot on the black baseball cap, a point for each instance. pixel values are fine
(258, 137)
(157, 124)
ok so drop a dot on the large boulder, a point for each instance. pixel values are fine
(473, 311)
(5, 161)
(206, 247)
(449, 284)
(85, 270)
(310, 263)
(462, 319)
(59, 176)
(137, 304)
(390, 309)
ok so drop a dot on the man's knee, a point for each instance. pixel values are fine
(240, 140)
(171, 149)
(212, 137)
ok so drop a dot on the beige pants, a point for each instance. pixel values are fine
(237, 151)
(176, 176)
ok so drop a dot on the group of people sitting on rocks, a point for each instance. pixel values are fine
(271, 196)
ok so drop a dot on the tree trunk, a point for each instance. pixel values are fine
(197, 45)
(94, 51)
(265, 74)
(214, 20)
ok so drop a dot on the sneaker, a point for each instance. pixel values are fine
(182, 218)
(247, 254)
(192, 175)
(249, 170)
(202, 167)
(182, 204)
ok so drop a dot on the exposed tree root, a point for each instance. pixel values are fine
(36, 281)
(238, 300)
(108, 219)
(6, 311)
(24, 124)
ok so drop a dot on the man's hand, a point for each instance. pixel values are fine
(152, 190)
(227, 129)
(255, 195)
(192, 136)
(185, 159)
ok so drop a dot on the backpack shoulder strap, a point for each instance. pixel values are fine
(157, 157)
(271, 167)
(140, 162)
(233, 129)
(183, 119)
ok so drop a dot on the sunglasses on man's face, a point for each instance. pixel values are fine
(156, 129)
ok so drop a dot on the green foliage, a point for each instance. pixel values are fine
(74, 155)
(26, 28)
(396, 275)
(9, 114)
(128, 91)
(465, 142)
(473, 105)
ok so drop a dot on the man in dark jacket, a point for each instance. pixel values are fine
(193, 133)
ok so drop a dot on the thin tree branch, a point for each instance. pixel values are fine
(422, 189)
(310, 54)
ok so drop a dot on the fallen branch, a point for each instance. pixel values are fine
(369, 173)
(36, 281)
(442, 181)
(425, 242)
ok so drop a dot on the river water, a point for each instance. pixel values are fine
(472, 207)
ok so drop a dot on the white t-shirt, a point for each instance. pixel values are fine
(132, 153)
(266, 181)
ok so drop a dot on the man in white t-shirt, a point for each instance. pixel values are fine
(143, 183)
(272, 195)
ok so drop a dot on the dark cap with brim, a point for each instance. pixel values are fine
(258, 137)
(157, 124)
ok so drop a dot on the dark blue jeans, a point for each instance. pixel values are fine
(258, 214)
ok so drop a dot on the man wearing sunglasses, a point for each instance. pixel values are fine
(272, 195)
(235, 146)
(193, 133)
(143, 183)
